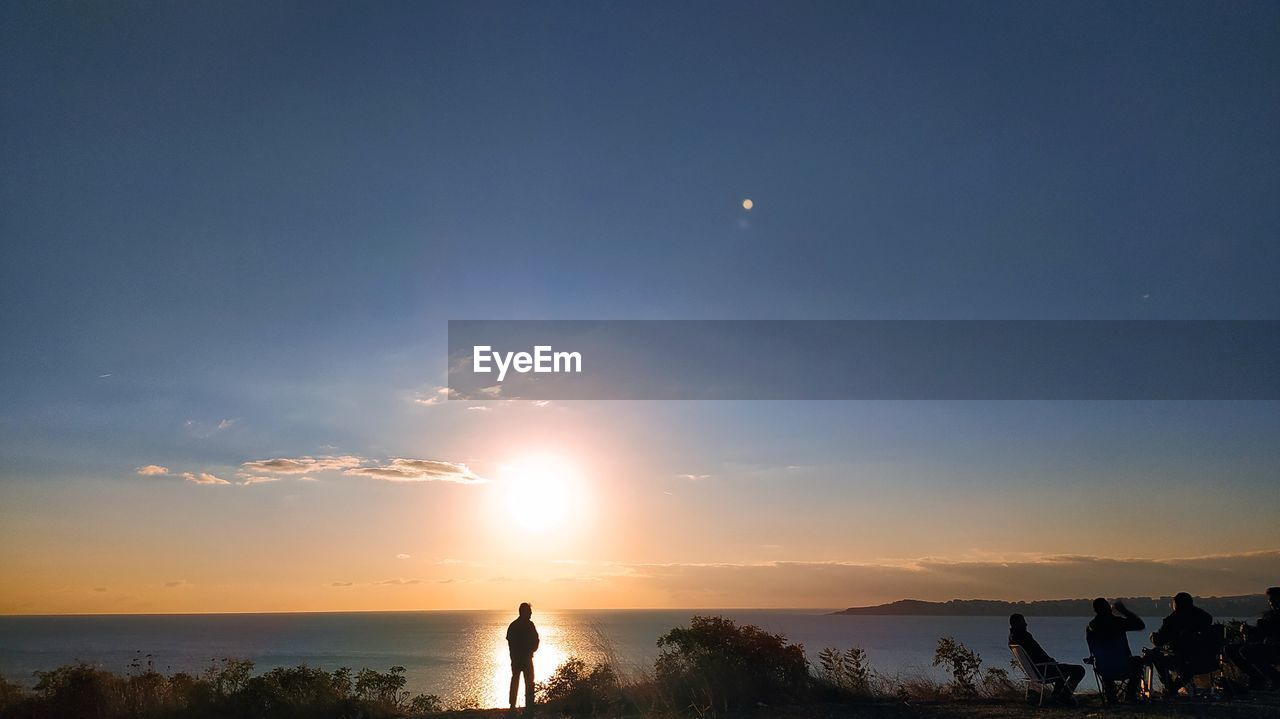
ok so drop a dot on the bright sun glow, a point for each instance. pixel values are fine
(542, 492)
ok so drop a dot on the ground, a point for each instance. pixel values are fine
(1261, 705)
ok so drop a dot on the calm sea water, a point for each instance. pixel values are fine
(462, 655)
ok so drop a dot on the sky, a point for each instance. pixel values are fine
(232, 234)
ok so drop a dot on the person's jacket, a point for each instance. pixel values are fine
(1183, 630)
(522, 638)
(1024, 639)
(1109, 627)
(1268, 631)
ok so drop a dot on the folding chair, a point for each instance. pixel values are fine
(1111, 662)
(1208, 661)
(1038, 677)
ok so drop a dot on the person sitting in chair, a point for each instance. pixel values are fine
(1260, 653)
(1065, 677)
(1110, 647)
(1184, 643)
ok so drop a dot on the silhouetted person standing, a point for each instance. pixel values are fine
(1183, 637)
(1108, 643)
(1065, 677)
(1260, 653)
(522, 641)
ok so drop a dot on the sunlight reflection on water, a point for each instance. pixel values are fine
(560, 639)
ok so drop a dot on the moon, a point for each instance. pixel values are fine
(747, 204)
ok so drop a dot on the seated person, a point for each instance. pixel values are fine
(1260, 653)
(1065, 677)
(1106, 636)
(1184, 643)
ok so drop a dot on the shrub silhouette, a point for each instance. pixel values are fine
(848, 672)
(227, 689)
(715, 665)
(963, 662)
(577, 689)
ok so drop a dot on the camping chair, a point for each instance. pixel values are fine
(1038, 677)
(1111, 662)
(1207, 660)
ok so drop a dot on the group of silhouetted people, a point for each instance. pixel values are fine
(1187, 644)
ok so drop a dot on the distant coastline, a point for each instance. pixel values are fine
(1245, 605)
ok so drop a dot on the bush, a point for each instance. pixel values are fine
(77, 690)
(10, 693)
(848, 673)
(424, 704)
(715, 665)
(963, 663)
(997, 684)
(580, 690)
(381, 688)
(227, 689)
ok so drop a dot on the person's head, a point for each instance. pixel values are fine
(526, 611)
(1182, 601)
(1101, 606)
(1273, 596)
(1017, 621)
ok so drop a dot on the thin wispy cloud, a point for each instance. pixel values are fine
(435, 396)
(153, 470)
(300, 465)
(203, 478)
(205, 430)
(693, 477)
(840, 584)
(418, 470)
(259, 479)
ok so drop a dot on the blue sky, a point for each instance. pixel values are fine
(256, 220)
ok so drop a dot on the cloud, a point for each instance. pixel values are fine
(175, 584)
(339, 584)
(478, 408)
(402, 556)
(693, 477)
(203, 478)
(152, 470)
(99, 589)
(841, 584)
(203, 430)
(259, 479)
(401, 582)
(300, 465)
(418, 470)
(435, 396)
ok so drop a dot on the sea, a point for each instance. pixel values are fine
(461, 655)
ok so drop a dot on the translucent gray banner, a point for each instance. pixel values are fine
(863, 359)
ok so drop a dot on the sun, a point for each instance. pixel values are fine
(542, 492)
